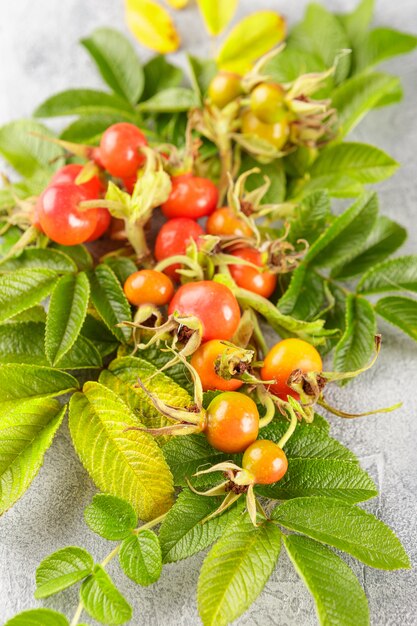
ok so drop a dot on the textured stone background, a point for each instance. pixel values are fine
(39, 56)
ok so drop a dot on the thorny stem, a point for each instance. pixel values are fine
(111, 556)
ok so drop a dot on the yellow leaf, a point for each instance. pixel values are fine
(217, 14)
(251, 38)
(152, 25)
(178, 4)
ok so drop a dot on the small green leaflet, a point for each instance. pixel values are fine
(391, 275)
(85, 102)
(185, 455)
(24, 288)
(236, 570)
(322, 477)
(171, 100)
(117, 62)
(357, 344)
(310, 217)
(345, 527)
(140, 557)
(125, 463)
(61, 570)
(110, 301)
(102, 600)
(26, 432)
(66, 314)
(182, 534)
(357, 22)
(79, 254)
(160, 75)
(336, 591)
(401, 312)
(97, 332)
(381, 44)
(38, 617)
(110, 517)
(24, 382)
(39, 258)
(306, 296)
(201, 73)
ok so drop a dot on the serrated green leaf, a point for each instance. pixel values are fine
(336, 591)
(125, 463)
(346, 235)
(185, 455)
(170, 100)
(26, 432)
(310, 218)
(122, 267)
(103, 601)
(97, 332)
(140, 558)
(61, 570)
(122, 376)
(275, 173)
(217, 14)
(322, 477)
(252, 37)
(182, 534)
(160, 75)
(39, 258)
(25, 382)
(22, 289)
(117, 62)
(236, 570)
(110, 301)
(385, 238)
(356, 23)
(358, 95)
(346, 528)
(357, 343)
(110, 517)
(391, 275)
(360, 161)
(292, 63)
(381, 44)
(35, 314)
(88, 129)
(308, 442)
(66, 314)
(27, 153)
(202, 71)
(85, 102)
(79, 254)
(306, 295)
(38, 617)
(400, 312)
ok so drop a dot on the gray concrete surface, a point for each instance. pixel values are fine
(39, 56)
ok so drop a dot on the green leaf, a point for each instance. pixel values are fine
(275, 173)
(160, 75)
(310, 218)
(400, 312)
(385, 238)
(236, 570)
(322, 477)
(346, 528)
(26, 432)
(362, 162)
(170, 100)
(346, 235)
(102, 600)
(391, 275)
(382, 44)
(21, 289)
(25, 382)
(122, 267)
(336, 591)
(79, 254)
(358, 95)
(39, 258)
(117, 62)
(85, 102)
(110, 301)
(202, 71)
(217, 14)
(252, 37)
(98, 333)
(321, 34)
(357, 343)
(61, 570)
(140, 558)
(125, 463)
(89, 128)
(35, 314)
(357, 22)
(306, 295)
(66, 314)
(122, 376)
(182, 534)
(185, 455)
(110, 517)
(38, 617)
(292, 63)
(27, 153)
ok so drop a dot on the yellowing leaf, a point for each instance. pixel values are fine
(251, 38)
(217, 14)
(152, 25)
(178, 4)
(125, 463)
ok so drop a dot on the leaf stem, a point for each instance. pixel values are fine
(290, 430)
(77, 614)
